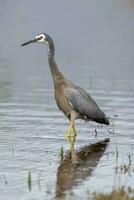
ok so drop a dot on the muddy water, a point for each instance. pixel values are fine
(94, 47)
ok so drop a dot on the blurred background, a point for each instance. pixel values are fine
(94, 43)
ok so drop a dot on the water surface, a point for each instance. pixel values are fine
(94, 48)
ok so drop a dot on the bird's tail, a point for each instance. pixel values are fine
(103, 121)
(106, 121)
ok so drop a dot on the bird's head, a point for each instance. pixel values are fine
(41, 38)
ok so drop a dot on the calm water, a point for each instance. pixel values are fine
(94, 47)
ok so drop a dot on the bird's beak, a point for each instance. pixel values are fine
(30, 41)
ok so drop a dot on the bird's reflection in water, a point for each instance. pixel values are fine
(77, 165)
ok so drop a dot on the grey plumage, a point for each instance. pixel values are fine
(74, 101)
(83, 103)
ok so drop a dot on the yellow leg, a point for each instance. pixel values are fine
(68, 135)
(71, 141)
(69, 131)
(74, 139)
(74, 130)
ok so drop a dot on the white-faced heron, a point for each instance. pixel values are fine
(74, 101)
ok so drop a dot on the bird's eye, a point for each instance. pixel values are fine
(40, 37)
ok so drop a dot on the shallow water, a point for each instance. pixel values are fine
(32, 129)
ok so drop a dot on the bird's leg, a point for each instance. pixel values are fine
(68, 135)
(71, 127)
(74, 130)
(69, 131)
(71, 141)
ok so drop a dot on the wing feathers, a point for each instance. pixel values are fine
(85, 105)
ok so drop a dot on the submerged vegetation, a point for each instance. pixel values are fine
(29, 181)
(120, 193)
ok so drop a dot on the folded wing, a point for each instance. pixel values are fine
(83, 103)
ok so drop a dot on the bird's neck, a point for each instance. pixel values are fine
(56, 74)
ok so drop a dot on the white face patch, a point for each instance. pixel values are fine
(42, 38)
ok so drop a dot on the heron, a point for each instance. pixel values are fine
(71, 99)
